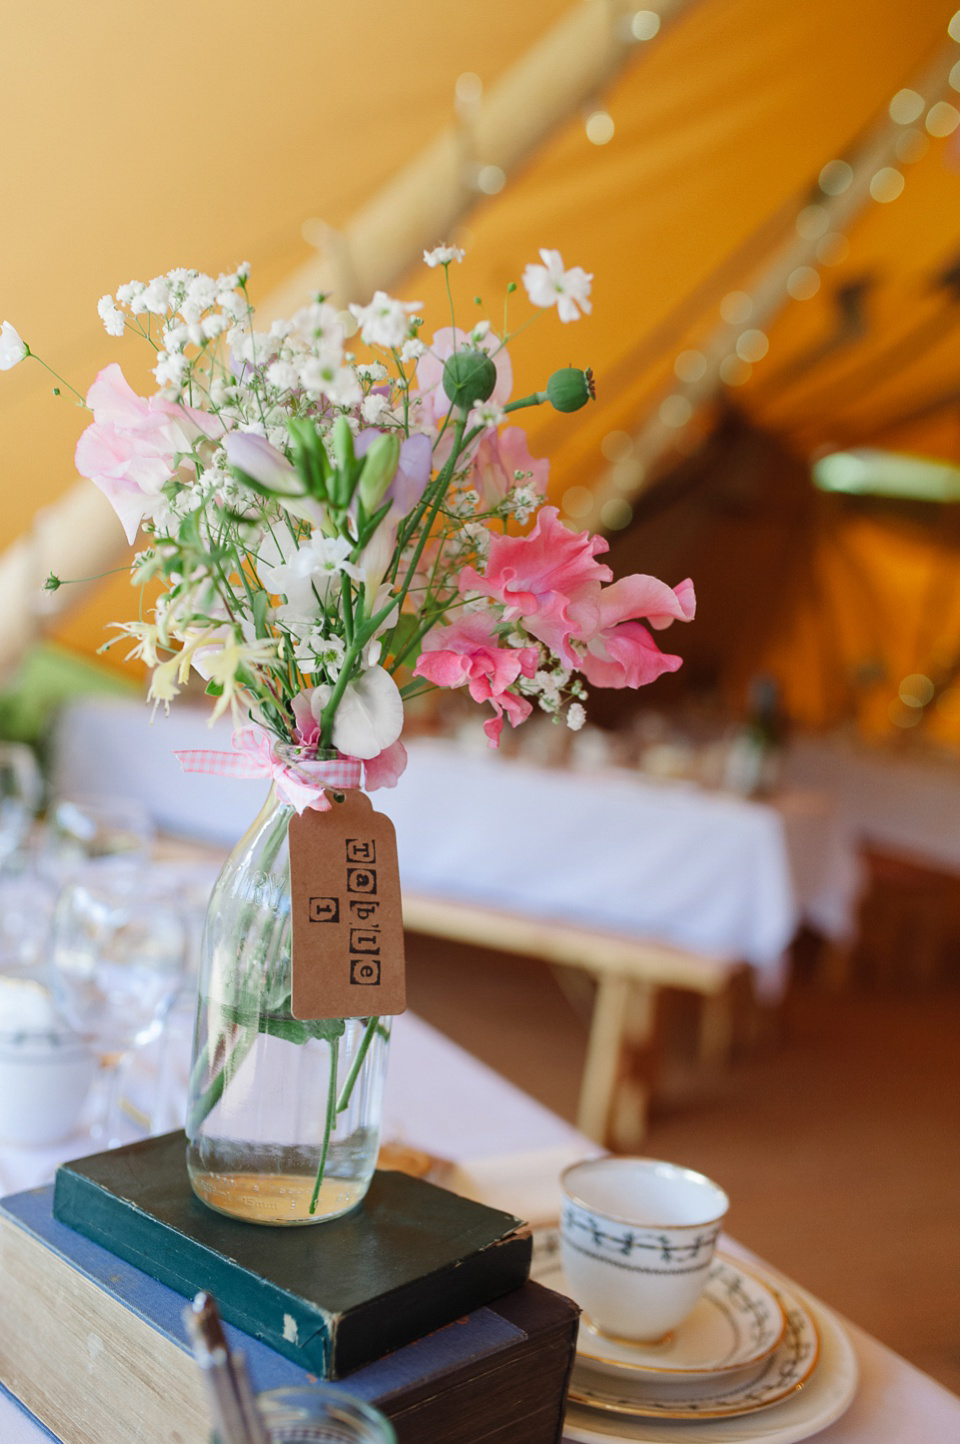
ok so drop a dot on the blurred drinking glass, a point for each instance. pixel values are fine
(21, 790)
(118, 951)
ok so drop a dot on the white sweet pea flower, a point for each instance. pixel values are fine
(13, 350)
(111, 316)
(369, 717)
(551, 285)
(443, 255)
(385, 322)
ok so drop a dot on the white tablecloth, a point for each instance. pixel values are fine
(443, 1100)
(902, 801)
(612, 849)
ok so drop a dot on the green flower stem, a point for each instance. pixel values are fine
(206, 1103)
(351, 1078)
(328, 1121)
(81, 399)
(536, 398)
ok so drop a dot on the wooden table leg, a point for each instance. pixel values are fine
(602, 1068)
(613, 1098)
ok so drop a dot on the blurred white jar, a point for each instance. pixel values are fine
(45, 1069)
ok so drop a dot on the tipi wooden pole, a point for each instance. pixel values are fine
(415, 210)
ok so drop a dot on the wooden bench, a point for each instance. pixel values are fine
(628, 973)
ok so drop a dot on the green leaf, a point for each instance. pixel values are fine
(260, 602)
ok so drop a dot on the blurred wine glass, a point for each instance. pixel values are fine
(118, 952)
(80, 829)
(21, 790)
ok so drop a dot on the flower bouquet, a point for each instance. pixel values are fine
(333, 535)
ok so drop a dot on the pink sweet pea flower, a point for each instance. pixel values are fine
(386, 769)
(620, 652)
(468, 652)
(517, 709)
(499, 456)
(129, 448)
(540, 576)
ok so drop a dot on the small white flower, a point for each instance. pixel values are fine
(170, 369)
(480, 333)
(156, 297)
(412, 350)
(488, 414)
(372, 408)
(212, 326)
(12, 349)
(385, 322)
(111, 316)
(372, 371)
(576, 716)
(443, 255)
(127, 294)
(283, 375)
(551, 285)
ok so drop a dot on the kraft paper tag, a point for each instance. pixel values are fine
(347, 921)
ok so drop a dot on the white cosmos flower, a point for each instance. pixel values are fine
(12, 348)
(385, 322)
(443, 255)
(325, 375)
(369, 717)
(551, 285)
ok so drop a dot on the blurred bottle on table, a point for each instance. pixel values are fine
(753, 759)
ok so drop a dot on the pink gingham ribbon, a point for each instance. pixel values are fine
(300, 785)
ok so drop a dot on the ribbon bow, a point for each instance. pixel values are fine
(299, 784)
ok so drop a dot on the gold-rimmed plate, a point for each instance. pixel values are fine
(784, 1372)
(737, 1324)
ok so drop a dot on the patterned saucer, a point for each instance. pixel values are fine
(784, 1372)
(736, 1325)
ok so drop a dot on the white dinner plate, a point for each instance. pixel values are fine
(822, 1399)
(736, 1325)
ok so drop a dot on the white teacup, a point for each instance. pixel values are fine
(638, 1238)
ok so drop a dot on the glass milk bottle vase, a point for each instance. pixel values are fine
(283, 1115)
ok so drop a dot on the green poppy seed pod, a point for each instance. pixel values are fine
(571, 388)
(379, 468)
(469, 377)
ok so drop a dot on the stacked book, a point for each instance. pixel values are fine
(418, 1303)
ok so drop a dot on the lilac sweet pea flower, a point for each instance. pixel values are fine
(412, 473)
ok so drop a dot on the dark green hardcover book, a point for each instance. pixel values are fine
(331, 1297)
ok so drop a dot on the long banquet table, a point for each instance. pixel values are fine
(442, 1100)
(609, 849)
